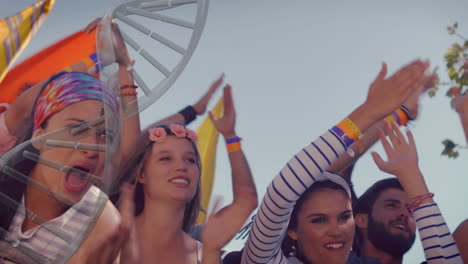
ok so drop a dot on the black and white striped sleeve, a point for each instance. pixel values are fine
(436, 238)
(270, 224)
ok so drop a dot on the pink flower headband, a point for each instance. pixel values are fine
(159, 134)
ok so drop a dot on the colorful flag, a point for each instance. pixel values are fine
(74, 48)
(16, 32)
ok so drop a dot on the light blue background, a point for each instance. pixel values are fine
(297, 68)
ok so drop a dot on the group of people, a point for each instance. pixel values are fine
(309, 213)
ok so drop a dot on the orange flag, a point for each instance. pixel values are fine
(47, 62)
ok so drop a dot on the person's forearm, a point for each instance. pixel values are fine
(464, 121)
(130, 126)
(359, 148)
(241, 173)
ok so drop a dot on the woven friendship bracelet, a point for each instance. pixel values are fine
(418, 200)
(126, 86)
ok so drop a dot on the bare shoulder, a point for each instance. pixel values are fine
(107, 222)
(461, 238)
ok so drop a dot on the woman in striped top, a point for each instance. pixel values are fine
(307, 166)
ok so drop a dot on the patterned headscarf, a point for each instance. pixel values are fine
(67, 89)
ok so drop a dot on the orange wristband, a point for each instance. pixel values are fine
(128, 93)
(235, 146)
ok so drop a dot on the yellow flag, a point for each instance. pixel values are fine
(16, 32)
(207, 144)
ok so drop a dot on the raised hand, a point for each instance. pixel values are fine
(402, 160)
(223, 225)
(385, 94)
(226, 124)
(200, 106)
(401, 154)
(412, 102)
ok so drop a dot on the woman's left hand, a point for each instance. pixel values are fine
(402, 160)
(201, 105)
(402, 154)
(226, 124)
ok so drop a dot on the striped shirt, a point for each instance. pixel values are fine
(436, 239)
(56, 241)
(305, 168)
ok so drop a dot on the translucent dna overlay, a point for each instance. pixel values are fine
(71, 168)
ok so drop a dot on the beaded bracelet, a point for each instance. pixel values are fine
(129, 93)
(418, 200)
(125, 86)
(347, 131)
(233, 144)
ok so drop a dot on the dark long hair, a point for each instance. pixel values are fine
(11, 187)
(135, 166)
(289, 245)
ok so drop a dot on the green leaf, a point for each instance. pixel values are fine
(449, 144)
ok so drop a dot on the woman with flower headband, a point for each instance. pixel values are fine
(166, 168)
(322, 230)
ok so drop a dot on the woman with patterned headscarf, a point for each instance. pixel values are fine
(53, 209)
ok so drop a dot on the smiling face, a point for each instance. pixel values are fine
(171, 172)
(325, 227)
(71, 184)
(391, 227)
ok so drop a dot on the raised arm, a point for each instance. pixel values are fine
(222, 226)
(189, 113)
(460, 105)
(306, 167)
(409, 108)
(438, 243)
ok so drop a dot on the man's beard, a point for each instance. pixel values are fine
(382, 239)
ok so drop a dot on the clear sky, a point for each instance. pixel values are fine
(297, 68)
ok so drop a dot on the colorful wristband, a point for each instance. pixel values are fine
(231, 147)
(189, 114)
(233, 140)
(418, 200)
(129, 93)
(347, 131)
(125, 86)
(400, 116)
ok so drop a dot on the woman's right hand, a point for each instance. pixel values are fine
(226, 124)
(459, 102)
(386, 94)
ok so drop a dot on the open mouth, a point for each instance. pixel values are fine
(76, 179)
(401, 227)
(334, 245)
(180, 181)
